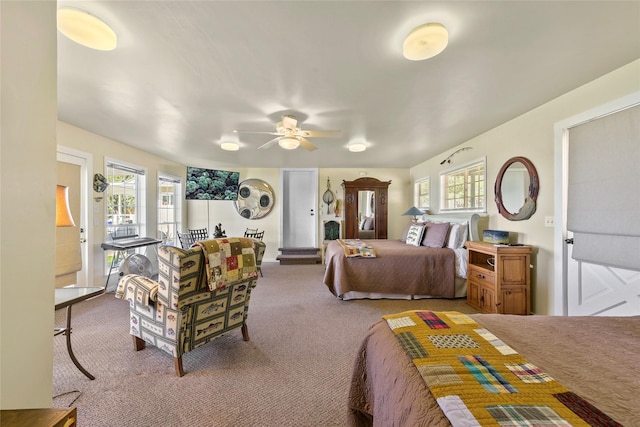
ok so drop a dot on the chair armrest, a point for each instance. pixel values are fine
(137, 289)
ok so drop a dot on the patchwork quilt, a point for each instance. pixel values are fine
(228, 260)
(478, 380)
(357, 248)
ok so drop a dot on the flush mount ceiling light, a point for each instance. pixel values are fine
(230, 146)
(289, 143)
(86, 29)
(425, 41)
(357, 147)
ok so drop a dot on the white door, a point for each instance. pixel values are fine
(590, 289)
(83, 220)
(299, 202)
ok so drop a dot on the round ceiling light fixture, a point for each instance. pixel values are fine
(289, 143)
(425, 41)
(230, 146)
(357, 147)
(86, 29)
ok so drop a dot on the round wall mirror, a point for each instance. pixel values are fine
(255, 199)
(516, 189)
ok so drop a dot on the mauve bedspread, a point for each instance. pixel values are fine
(597, 358)
(398, 269)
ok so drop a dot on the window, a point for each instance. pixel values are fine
(421, 193)
(125, 195)
(463, 189)
(169, 204)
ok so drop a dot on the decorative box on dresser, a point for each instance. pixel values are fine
(505, 286)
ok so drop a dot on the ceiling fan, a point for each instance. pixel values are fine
(290, 136)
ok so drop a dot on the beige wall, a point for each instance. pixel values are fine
(102, 148)
(27, 202)
(532, 135)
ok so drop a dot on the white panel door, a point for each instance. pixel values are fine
(597, 290)
(300, 196)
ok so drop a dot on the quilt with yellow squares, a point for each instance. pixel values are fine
(478, 380)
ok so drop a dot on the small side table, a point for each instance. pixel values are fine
(66, 297)
(38, 417)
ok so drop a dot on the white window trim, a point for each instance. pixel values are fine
(416, 193)
(482, 159)
(178, 205)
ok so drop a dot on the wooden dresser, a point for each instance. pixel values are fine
(505, 286)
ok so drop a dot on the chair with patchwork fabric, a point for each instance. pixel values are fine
(253, 233)
(198, 297)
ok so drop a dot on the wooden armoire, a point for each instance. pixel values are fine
(352, 212)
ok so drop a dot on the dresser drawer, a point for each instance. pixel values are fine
(481, 276)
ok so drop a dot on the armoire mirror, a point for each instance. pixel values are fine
(516, 189)
(365, 208)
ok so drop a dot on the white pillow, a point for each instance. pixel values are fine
(414, 236)
(457, 235)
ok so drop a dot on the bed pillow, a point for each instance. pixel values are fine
(414, 235)
(362, 221)
(436, 234)
(406, 231)
(457, 235)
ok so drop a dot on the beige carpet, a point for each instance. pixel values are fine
(295, 371)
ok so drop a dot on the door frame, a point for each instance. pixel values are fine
(559, 303)
(85, 161)
(283, 196)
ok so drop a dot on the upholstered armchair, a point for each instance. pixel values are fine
(201, 293)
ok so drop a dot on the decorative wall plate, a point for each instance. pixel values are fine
(100, 183)
(255, 199)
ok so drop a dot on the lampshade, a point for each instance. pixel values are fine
(86, 29)
(289, 143)
(63, 213)
(425, 41)
(413, 211)
(230, 146)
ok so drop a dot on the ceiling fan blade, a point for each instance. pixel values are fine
(260, 132)
(320, 133)
(269, 143)
(306, 144)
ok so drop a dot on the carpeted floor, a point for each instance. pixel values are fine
(295, 371)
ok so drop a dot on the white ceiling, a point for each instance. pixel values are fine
(185, 74)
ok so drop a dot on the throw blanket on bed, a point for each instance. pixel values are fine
(478, 380)
(228, 260)
(357, 248)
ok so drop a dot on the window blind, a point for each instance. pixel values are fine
(603, 209)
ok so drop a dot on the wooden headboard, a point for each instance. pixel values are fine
(474, 220)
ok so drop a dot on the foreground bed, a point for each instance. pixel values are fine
(595, 357)
(403, 271)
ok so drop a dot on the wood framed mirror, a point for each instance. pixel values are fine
(516, 189)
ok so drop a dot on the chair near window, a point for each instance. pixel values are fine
(199, 233)
(186, 240)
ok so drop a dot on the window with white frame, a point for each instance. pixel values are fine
(463, 189)
(169, 207)
(422, 193)
(124, 200)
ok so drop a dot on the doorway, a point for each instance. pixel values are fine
(299, 208)
(584, 288)
(81, 191)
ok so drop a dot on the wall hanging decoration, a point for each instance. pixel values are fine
(255, 199)
(328, 197)
(100, 183)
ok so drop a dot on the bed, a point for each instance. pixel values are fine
(404, 271)
(594, 357)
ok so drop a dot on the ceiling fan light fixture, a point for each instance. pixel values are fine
(289, 143)
(86, 29)
(230, 146)
(425, 41)
(357, 147)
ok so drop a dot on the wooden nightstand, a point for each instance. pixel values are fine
(52, 417)
(505, 286)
